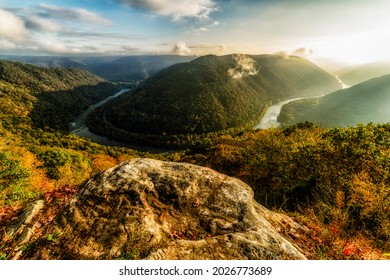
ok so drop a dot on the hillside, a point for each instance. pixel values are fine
(358, 74)
(212, 93)
(47, 96)
(362, 103)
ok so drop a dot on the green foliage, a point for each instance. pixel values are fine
(13, 181)
(53, 237)
(3, 257)
(11, 171)
(131, 255)
(61, 164)
(52, 160)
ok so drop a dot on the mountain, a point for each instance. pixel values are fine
(362, 73)
(47, 61)
(149, 209)
(134, 67)
(362, 103)
(213, 93)
(47, 96)
(113, 68)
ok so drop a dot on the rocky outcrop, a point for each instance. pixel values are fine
(23, 230)
(149, 209)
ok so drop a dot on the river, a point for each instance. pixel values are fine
(270, 118)
(79, 128)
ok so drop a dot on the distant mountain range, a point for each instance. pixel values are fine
(214, 93)
(113, 68)
(362, 103)
(357, 74)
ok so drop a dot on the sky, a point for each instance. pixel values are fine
(347, 31)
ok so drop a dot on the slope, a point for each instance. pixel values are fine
(362, 73)
(47, 97)
(362, 103)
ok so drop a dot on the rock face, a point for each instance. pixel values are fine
(149, 209)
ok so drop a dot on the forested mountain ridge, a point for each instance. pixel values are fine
(363, 103)
(48, 96)
(361, 73)
(213, 93)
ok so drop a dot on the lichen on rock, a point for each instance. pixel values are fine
(151, 209)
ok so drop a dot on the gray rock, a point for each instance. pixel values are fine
(151, 209)
(23, 228)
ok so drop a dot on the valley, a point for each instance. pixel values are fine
(220, 93)
(270, 118)
(315, 180)
(78, 127)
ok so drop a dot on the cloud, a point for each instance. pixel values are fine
(41, 24)
(56, 12)
(198, 30)
(93, 34)
(130, 48)
(12, 27)
(7, 45)
(181, 49)
(202, 49)
(176, 9)
(245, 66)
(58, 48)
(303, 52)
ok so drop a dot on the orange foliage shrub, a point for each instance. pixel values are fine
(102, 162)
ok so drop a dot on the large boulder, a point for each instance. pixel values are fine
(149, 209)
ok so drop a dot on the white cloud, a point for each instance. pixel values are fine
(203, 49)
(245, 66)
(41, 24)
(12, 27)
(7, 45)
(303, 52)
(129, 48)
(56, 12)
(198, 30)
(57, 48)
(181, 48)
(176, 9)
